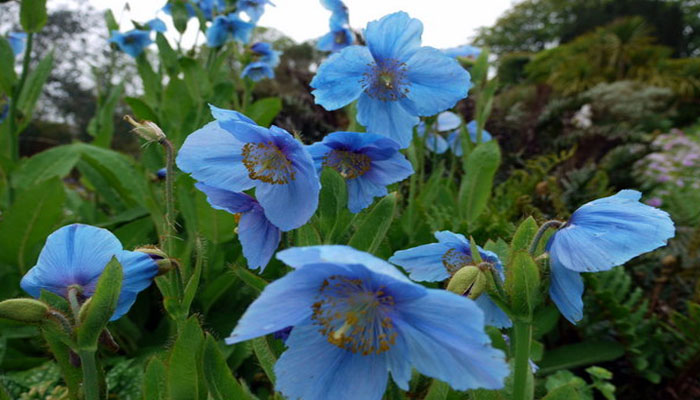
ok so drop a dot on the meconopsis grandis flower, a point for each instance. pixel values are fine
(233, 153)
(356, 318)
(436, 262)
(368, 162)
(75, 256)
(454, 138)
(464, 51)
(600, 235)
(445, 122)
(132, 42)
(226, 28)
(265, 59)
(253, 8)
(340, 35)
(395, 79)
(17, 41)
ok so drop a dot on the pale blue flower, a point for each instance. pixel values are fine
(455, 138)
(227, 28)
(601, 235)
(257, 71)
(253, 8)
(76, 255)
(355, 319)
(264, 52)
(17, 41)
(465, 51)
(395, 79)
(132, 42)
(157, 24)
(435, 142)
(436, 262)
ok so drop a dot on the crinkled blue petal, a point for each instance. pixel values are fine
(462, 51)
(221, 114)
(213, 156)
(139, 270)
(232, 202)
(456, 240)
(423, 263)
(335, 40)
(257, 71)
(387, 118)
(391, 170)
(396, 36)
(566, 289)
(485, 135)
(493, 315)
(157, 24)
(447, 121)
(361, 193)
(455, 141)
(339, 79)
(437, 82)
(132, 42)
(610, 231)
(254, 8)
(436, 143)
(258, 237)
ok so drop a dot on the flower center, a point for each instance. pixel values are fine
(386, 80)
(266, 162)
(354, 317)
(349, 164)
(454, 260)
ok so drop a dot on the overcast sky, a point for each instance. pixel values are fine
(446, 23)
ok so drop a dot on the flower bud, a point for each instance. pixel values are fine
(24, 310)
(161, 259)
(146, 129)
(469, 281)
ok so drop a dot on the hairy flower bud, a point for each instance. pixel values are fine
(161, 259)
(24, 310)
(146, 129)
(469, 281)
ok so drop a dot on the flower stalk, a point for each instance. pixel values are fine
(538, 236)
(522, 332)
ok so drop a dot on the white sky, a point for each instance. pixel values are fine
(447, 23)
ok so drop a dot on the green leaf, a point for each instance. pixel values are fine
(167, 54)
(102, 124)
(56, 162)
(474, 249)
(265, 356)
(580, 354)
(599, 372)
(475, 190)
(72, 375)
(332, 204)
(101, 306)
(152, 86)
(183, 376)
(373, 229)
(29, 220)
(111, 22)
(154, 381)
(180, 15)
(523, 284)
(307, 235)
(33, 86)
(570, 391)
(7, 66)
(32, 15)
(438, 390)
(221, 384)
(250, 278)
(523, 236)
(141, 110)
(196, 79)
(264, 111)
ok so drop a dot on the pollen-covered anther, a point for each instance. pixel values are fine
(267, 163)
(454, 260)
(354, 317)
(386, 80)
(349, 164)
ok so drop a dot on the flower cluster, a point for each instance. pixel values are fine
(265, 60)
(340, 35)
(134, 42)
(449, 123)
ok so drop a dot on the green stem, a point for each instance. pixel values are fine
(538, 236)
(91, 388)
(523, 336)
(169, 227)
(74, 303)
(14, 135)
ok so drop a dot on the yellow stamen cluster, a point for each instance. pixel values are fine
(267, 163)
(454, 259)
(349, 164)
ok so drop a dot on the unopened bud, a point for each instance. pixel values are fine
(146, 129)
(469, 281)
(161, 259)
(24, 310)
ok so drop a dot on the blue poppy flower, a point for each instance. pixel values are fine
(455, 139)
(600, 235)
(168, 9)
(253, 8)
(339, 14)
(234, 154)
(435, 262)
(435, 142)
(368, 162)
(395, 79)
(132, 42)
(157, 24)
(265, 53)
(227, 28)
(257, 71)
(465, 51)
(337, 39)
(356, 319)
(17, 41)
(209, 7)
(77, 254)
(258, 237)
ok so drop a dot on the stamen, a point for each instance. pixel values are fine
(454, 260)
(386, 80)
(349, 164)
(266, 162)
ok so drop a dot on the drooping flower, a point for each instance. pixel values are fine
(234, 154)
(600, 235)
(465, 51)
(368, 162)
(132, 42)
(76, 255)
(356, 318)
(157, 24)
(258, 70)
(258, 237)
(395, 79)
(253, 8)
(17, 41)
(455, 139)
(227, 28)
(435, 142)
(436, 262)
(264, 52)
(335, 40)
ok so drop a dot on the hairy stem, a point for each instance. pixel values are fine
(538, 236)
(523, 336)
(91, 388)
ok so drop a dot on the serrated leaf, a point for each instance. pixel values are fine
(373, 229)
(478, 179)
(101, 307)
(32, 15)
(221, 384)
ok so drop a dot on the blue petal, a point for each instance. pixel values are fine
(221, 114)
(126, 300)
(493, 315)
(291, 205)
(285, 302)
(217, 34)
(391, 170)
(157, 25)
(246, 132)
(377, 147)
(313, 369)
(326, 42)
(462, 51)
(387, 118)
(447, 121)
(297, 257)
(396, 36)
(424, 263)
(257, 71)
(454, 239)
(74, 254)
(17, 41)
(339, 79)
(361, 193)
(318, 152)
(227, 200)
(485, 135)
(139, 270)
(436, 143)
(455, 141)
(258, 237)
(437, 82)
(610, 231)
(443, 334)
(213, 155)
(566, 289)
